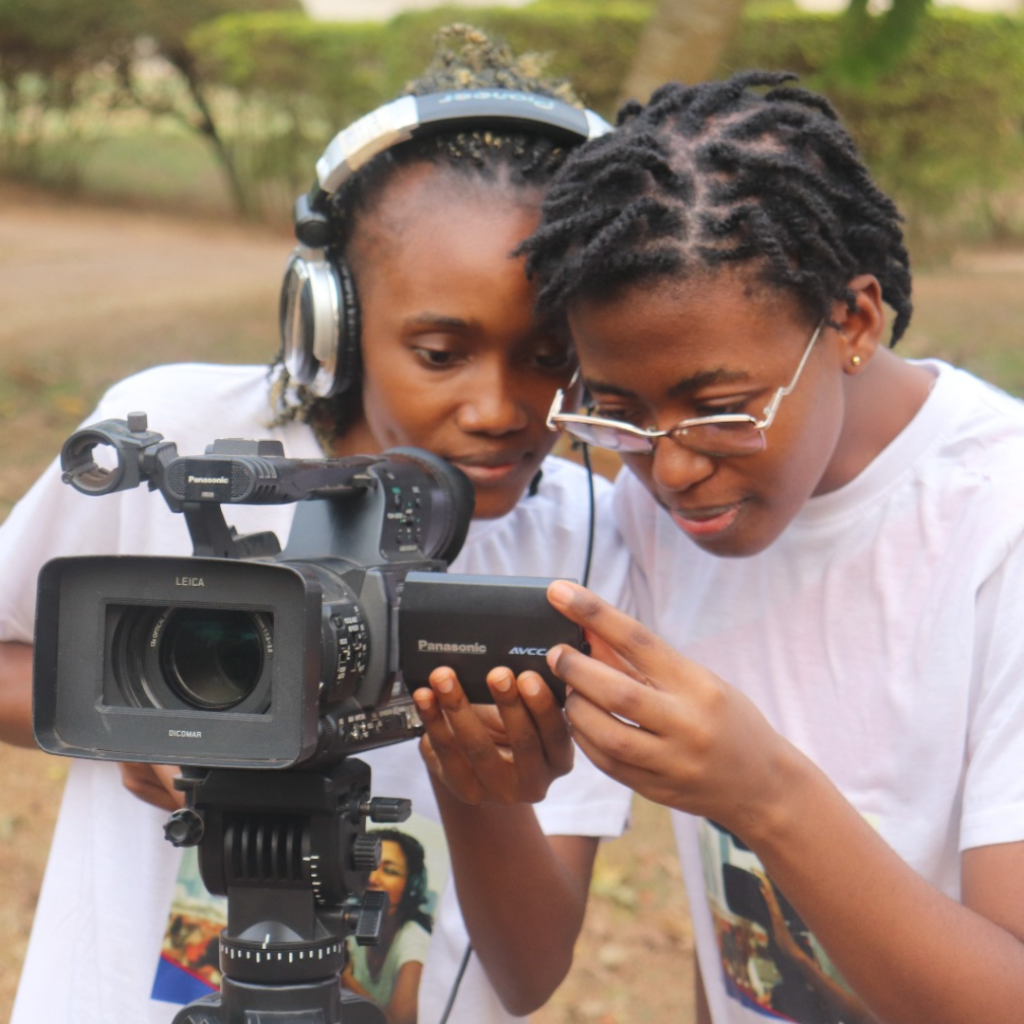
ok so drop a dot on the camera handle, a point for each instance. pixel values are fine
(290, 851)
(213, 538)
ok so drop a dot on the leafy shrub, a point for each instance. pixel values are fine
(305, 80)
(943, 130)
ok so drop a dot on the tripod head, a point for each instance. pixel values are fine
(291, 852)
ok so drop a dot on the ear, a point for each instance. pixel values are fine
(860, 329)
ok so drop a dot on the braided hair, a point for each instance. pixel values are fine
(715, 175)
(516, 161)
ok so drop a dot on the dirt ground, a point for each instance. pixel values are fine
(88, 295)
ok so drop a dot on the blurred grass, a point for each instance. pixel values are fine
(91, 294)
(156, 169)
(156, 165)
(45, 395)
(971, 313)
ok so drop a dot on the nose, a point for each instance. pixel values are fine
(675, 468)
(495, 403)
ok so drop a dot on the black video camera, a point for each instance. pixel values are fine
(244, 656)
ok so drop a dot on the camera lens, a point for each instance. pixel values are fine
(211, 658)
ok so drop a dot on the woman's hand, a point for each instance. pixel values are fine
(153, 784)
(661, 724)
(506, 754)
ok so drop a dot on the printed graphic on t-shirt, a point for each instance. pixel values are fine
(771, 963)
(188, 968)
(413, 872)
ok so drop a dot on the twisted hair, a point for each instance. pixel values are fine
(714, 175)
(517, 161)
(520, 160)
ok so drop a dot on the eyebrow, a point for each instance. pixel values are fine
(440, 320)
(686, 386)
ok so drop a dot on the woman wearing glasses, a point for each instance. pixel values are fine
(829, 558)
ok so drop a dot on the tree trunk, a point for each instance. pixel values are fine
(683, 42)
(207, 127)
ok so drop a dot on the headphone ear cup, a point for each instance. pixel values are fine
(416, 893)
(348, 371)
(318, 318)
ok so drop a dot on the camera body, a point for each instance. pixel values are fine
(246, 656)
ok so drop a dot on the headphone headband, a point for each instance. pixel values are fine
(413, 116)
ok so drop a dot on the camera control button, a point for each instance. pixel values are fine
(184, 827)
(387, 809)
(366, 852)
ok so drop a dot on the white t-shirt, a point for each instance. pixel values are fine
(111, 881)
(881, 633)
(410, 945)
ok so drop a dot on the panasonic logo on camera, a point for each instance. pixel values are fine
(432, 648)
(185, 734)
(208, 479)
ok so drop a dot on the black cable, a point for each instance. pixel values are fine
(585, 455)
(455, 985)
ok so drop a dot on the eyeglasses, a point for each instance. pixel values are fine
(719, 436)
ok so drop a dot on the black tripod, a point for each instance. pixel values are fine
(290, 851)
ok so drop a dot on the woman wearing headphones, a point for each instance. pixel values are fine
(389, 972)
(433, 344)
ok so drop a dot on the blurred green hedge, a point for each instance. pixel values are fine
(295, 82)
(943, 130)
(345, 69)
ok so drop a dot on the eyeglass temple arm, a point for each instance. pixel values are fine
(559, 401)
(772, 407)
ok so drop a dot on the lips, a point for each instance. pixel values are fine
(490, 467)
(706, 522)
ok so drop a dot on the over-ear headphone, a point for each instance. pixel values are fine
(319, 309)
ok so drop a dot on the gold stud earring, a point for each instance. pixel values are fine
(856, 360)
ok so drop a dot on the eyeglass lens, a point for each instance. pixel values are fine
(735, 438)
